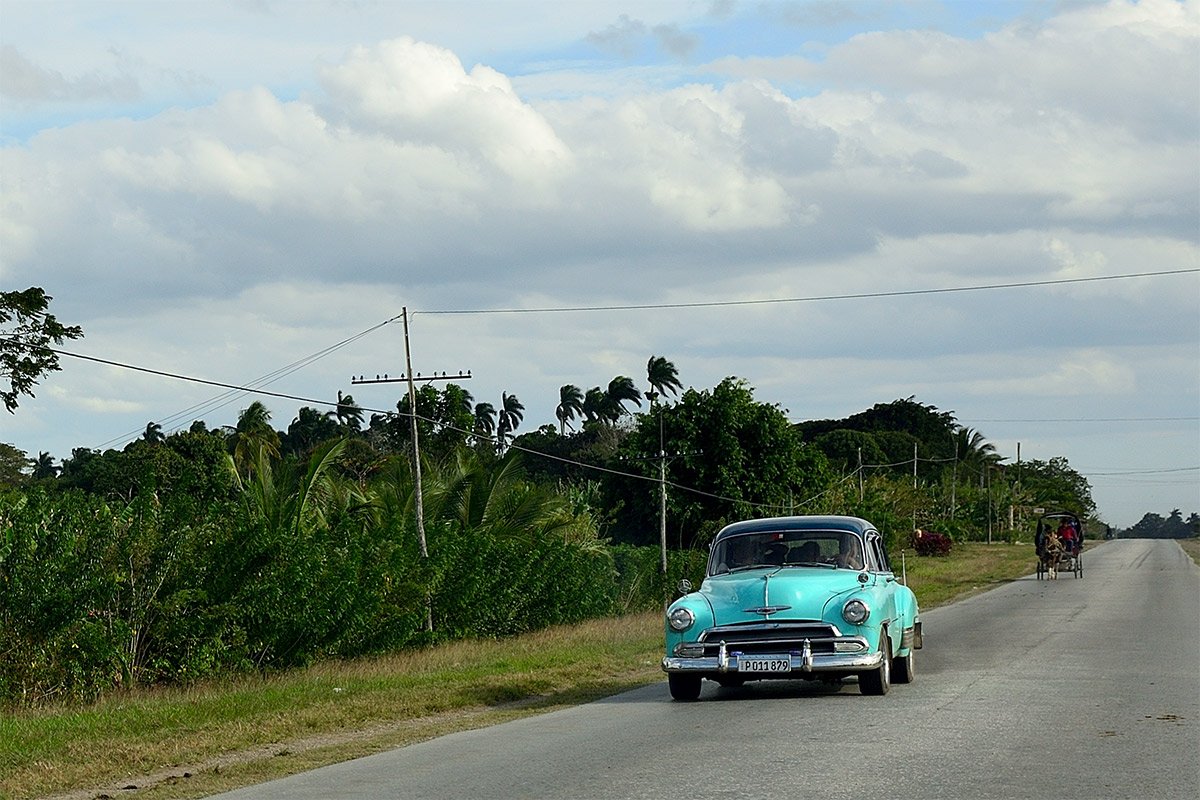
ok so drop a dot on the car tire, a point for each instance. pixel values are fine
(684, 687)
(879, 680)
(904, 670)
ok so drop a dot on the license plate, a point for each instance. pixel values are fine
(747, 664)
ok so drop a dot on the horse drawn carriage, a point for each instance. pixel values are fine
(1059, 544)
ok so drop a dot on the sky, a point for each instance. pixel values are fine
(990, 207)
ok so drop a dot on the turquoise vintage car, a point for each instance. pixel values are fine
(810, 598)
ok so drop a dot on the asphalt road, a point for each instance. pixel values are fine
(1076, 688)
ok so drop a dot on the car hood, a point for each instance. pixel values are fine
(790, 593)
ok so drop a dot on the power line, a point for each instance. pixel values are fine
(813, 298)
(444, 426)
(225, 398)
(519, 448)
(1098, 419)
(1149, 471)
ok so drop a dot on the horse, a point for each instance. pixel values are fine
(1052, 553)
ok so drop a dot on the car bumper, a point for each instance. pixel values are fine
(803, 661)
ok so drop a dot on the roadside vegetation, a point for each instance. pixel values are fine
(217, 553)
(219, 734)
(1191, 547)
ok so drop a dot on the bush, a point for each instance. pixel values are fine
(641, 586)
(928, 543)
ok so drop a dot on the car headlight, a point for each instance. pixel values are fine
(680, 619)
(855, 612)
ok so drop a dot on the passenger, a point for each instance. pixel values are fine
(807, 553)
(850, 553)
(774, 554)
(1070, 539)
(738, 553)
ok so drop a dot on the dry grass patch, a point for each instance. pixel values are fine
(970, 568)
(1191, 547)
(338, 708)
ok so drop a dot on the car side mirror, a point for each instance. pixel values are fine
(684, 587)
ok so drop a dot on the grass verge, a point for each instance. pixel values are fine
(1191, 547)
(186, 743)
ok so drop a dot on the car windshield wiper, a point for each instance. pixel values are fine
(824, 564)
(755, 566)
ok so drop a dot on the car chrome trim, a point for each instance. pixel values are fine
(764, 610)
(814, 629)
(803, 663)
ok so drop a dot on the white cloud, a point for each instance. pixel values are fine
(336, 177)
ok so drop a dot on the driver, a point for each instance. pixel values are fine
(738, 553)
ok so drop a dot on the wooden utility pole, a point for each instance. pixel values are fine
(663, 459)
(411, 380)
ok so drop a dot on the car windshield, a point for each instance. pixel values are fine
(828, 549)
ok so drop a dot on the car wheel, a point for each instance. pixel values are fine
(878, 681)
(906, 668)
(684, 687)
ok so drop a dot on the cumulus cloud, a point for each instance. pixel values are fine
(268, 222)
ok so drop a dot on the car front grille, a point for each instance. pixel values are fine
(770, 637)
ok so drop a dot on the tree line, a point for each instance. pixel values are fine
(203, 552)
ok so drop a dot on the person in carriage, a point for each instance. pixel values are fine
(1069, 536)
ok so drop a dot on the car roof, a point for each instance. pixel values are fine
(805, 523)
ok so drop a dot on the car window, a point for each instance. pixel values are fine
(786, 549)
(879, 555)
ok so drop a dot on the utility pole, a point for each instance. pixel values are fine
(914, 465)
(914, 518)
(663, 459)
(954, 483)
(860, 476)
(418, 495)
(989, 497)
(1016, 494)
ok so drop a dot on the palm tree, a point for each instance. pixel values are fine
(570, 406)
(485, 420)
(593, 404)
(349, 414)
(973, 449)
(153, 433)
(621, 391)
(252, 434)
(43, 466)
(662, 377)
(512, 411)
